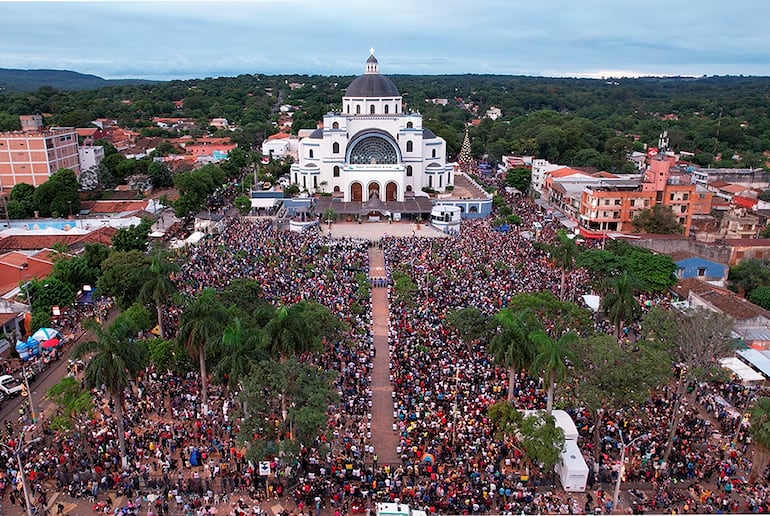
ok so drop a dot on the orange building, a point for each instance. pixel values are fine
(31, 157)
(612, 206)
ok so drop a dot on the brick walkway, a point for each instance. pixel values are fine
(384, 438)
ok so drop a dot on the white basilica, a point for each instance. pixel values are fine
(373, 156)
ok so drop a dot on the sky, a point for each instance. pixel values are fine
(164, 40)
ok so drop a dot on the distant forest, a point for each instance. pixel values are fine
(723, 121)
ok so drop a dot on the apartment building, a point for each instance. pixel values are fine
(612, 205)
(32, 157)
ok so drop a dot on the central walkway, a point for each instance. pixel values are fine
(384, 438)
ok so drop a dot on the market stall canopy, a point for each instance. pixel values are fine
(44, 334)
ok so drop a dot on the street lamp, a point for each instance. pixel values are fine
(25, 286)
(622, 467)
(17, 452)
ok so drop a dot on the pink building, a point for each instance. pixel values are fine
(32, 157)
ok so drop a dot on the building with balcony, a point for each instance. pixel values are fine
(610, 205)
(32, 157)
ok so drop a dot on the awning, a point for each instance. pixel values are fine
(264, 202)
(746, 373)
(756, 359)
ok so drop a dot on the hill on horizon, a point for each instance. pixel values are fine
(12, 79)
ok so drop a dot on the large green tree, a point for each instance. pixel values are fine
(158, 287)
(749, 274)
(511, 346)
(564, 252)
(619, 303)
(200, 326)
(696, 340)
(286, 407)
(134, 237)
(759, 421)
(658, 220)
(59, 195)
(551, 361)
(612, 377)
(119, 278)
(114, 359)
(237, 356)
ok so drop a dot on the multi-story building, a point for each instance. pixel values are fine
(611, 206)
(32, 157)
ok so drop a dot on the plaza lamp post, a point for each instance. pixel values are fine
(17, 452)
(622, 467)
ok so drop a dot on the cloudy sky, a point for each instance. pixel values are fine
(574, 38)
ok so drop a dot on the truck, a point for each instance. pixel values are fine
(10, 386)
(397, 509)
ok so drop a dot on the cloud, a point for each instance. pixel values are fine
(175, 39)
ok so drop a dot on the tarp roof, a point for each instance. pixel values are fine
(746, 373)
(756, 359)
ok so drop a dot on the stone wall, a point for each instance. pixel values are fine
(711, 251)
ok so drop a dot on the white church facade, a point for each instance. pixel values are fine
(373, 151)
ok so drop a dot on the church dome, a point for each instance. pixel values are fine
(372, 84)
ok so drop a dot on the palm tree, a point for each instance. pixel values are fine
(512, 347)
(619, 303)
(289, 333)
(200, 325)
(241, 349)
(564, 253)
(550, 361)
(158, 286)
(115, 360)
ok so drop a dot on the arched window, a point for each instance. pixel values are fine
(371, 109)
(335, 148)
(409, 125)
(473, 209)
(373, 150)
(315, 181)
(358, 109)
(409, 171)
(348, 109)
(387, 109)
(310, 153)
(433, 154)
(409, 146)
(336, 125)
(336, 171)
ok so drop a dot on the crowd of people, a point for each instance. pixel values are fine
(187, 458)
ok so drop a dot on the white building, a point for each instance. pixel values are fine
(540, 170)
(90, 156)
(373, 150)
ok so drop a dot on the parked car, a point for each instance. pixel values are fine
(10, 386)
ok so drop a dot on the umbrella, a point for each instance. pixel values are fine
(428, 457)
(44, 334)
(50, 343)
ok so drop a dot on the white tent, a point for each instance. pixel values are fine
(563, 421)
(592, 302)
(573, 470)
(746, 373)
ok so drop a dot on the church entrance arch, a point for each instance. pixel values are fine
(374, 190)
(356, 192)
(391, 191)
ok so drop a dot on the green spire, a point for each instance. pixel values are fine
(466, 159)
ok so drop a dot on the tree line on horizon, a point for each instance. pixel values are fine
(575, 122)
